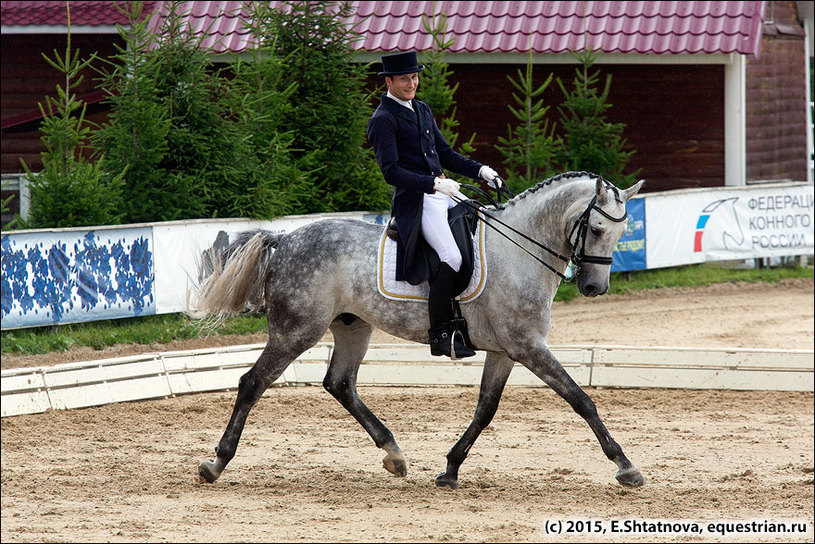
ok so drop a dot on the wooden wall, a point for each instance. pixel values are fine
(674, 116)
(777, 100)
(26, 80)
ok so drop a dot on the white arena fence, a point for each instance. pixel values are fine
(163, 375)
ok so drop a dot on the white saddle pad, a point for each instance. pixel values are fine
(390, 288)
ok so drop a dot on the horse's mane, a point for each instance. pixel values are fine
(564, 177)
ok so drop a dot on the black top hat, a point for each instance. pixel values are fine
(400, 63)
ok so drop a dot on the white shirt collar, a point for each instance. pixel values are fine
(406, 103)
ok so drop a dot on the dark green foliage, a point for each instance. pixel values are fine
(329, 109)
(204, 146)
(5, 209)
(435, 88)
(530, 146)
(262, 100)
(283, 133)
(135, 139)
(590, 142)
(185, 132)
(69, 190)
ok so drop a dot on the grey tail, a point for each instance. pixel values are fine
(235, 280)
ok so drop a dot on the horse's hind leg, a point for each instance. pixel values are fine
(269, 366)
(496, 371)
(351, 336)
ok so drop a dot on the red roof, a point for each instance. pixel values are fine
(558, 27)
(83, 13)
(478, 27)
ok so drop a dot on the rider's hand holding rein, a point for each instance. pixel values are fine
(447, 186)
(490, 176)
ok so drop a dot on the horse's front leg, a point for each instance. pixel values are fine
(543, 364)
(497, 367)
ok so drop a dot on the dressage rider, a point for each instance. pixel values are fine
(412, 153)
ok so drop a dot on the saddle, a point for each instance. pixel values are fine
(463, 223)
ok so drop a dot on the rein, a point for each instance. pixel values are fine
(581, 226)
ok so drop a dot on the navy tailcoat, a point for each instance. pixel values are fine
(411, 153)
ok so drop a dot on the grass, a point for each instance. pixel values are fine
(139, 330)
(168, 327)
(689, 276)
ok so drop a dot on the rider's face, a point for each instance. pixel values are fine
(403, 86)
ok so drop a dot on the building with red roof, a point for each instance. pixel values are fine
(712, 93)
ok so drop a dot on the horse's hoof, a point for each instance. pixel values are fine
(630, 477)
(396, 465)
(208, 472)
(443, 480)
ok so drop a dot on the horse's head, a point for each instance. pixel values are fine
(594, 233)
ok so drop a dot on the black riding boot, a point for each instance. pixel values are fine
(440, 305)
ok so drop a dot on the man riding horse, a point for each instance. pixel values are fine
(411, 152)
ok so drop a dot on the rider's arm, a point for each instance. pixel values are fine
(382, 135)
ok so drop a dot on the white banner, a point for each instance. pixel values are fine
(694, 226)
(179, 247)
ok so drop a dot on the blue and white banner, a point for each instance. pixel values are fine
(631, 251)
(73, 275)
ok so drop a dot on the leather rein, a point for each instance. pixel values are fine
(580, 227)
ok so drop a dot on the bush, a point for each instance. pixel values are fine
(329, 109)
(529, 147)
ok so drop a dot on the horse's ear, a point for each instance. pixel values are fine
(600, 191)
(634, 189)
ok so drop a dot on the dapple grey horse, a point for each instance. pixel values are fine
(323, 276)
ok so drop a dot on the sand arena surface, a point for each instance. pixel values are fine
(306, 471)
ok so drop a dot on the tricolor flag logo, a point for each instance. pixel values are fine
(729, 223)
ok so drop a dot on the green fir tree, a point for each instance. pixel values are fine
(590, 141)
(135, 137)
(70, 190)
(329, 108)
(183, 130)
(435, 88)
(529, 146)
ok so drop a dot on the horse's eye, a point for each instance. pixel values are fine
(596, 231)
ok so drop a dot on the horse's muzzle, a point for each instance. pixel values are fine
(590, 288)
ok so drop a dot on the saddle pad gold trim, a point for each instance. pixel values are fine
(390, 288)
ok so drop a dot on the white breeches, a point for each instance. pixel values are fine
(436, 230)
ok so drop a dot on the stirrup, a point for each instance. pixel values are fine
(464, 351)
(443, 343)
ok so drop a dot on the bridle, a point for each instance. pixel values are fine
(581, 226)
(579, 230)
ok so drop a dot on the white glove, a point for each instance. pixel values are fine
(447, 186)
(491, 176)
